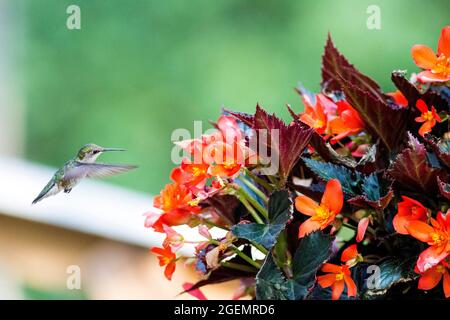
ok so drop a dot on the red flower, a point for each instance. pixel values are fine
(399, 98)
(347, 122)
(338, 277)
(315, 115)
(176, 201)
(428, 117)
(321, 215)
(437, 236)
(362, 227)
(408, 210)
(166, 258)
(437, 66)
(431, 278)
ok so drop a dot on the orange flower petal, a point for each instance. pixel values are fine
(169, 270)
(306, 205)
(431, 257)
(326, 280)
(350, 253)
(444, 42)
(337, 289)
(422, 106)
(424, 57)
(429, 279)
(400, 222)
(362, 227)
(447, 284)
(351, 286)
(426, 127)
(329, 267)
(333, 197)
(307, 227)
(420, 230)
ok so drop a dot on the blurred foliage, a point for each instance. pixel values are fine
(137, 70)
(35, 293)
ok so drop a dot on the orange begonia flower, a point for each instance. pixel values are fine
(428, 117)
(337, 278)
(399, 98)
(408, 210)
(437, 235)
(315, 115)
(321, 215)
(176, 202)
(431, 278)
(437, 66)
(350, 256)
(346, 123)
(362, 227)
(166, 258)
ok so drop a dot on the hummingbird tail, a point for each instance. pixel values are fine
(50, 189)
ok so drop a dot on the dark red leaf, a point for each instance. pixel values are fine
(412, 170)
(381, 120)
(336, 66)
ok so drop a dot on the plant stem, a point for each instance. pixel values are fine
(259, 247)
(238, 266)
(239, 253)
(249, 208)
(245, 257)
(212, 224)
(259, 180)
(255, 203)
(255, 189)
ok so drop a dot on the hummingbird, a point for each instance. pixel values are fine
(81, 166)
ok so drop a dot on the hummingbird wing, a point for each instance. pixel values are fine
(96, 170)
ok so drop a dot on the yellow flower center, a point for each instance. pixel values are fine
(437, 238)
(427, 115)
(440, 268)
(442, 66)
(229, 165)
(322, 214)
(318, 124)
(196, 171)
(339, 276)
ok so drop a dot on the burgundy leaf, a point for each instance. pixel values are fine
(380, 204)
(381, 120)
(225, 206)
(412, 170)
(293, 139)
(336, 66)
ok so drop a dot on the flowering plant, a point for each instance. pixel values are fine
(349, 200)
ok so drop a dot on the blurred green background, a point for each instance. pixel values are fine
(137, 70)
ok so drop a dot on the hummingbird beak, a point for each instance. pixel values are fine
(112, 149)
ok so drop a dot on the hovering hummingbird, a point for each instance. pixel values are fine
(82, 166)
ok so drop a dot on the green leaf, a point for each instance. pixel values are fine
(392, 270)
(280, 212)
(327, 171)
(271, 284)
(312, 252)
